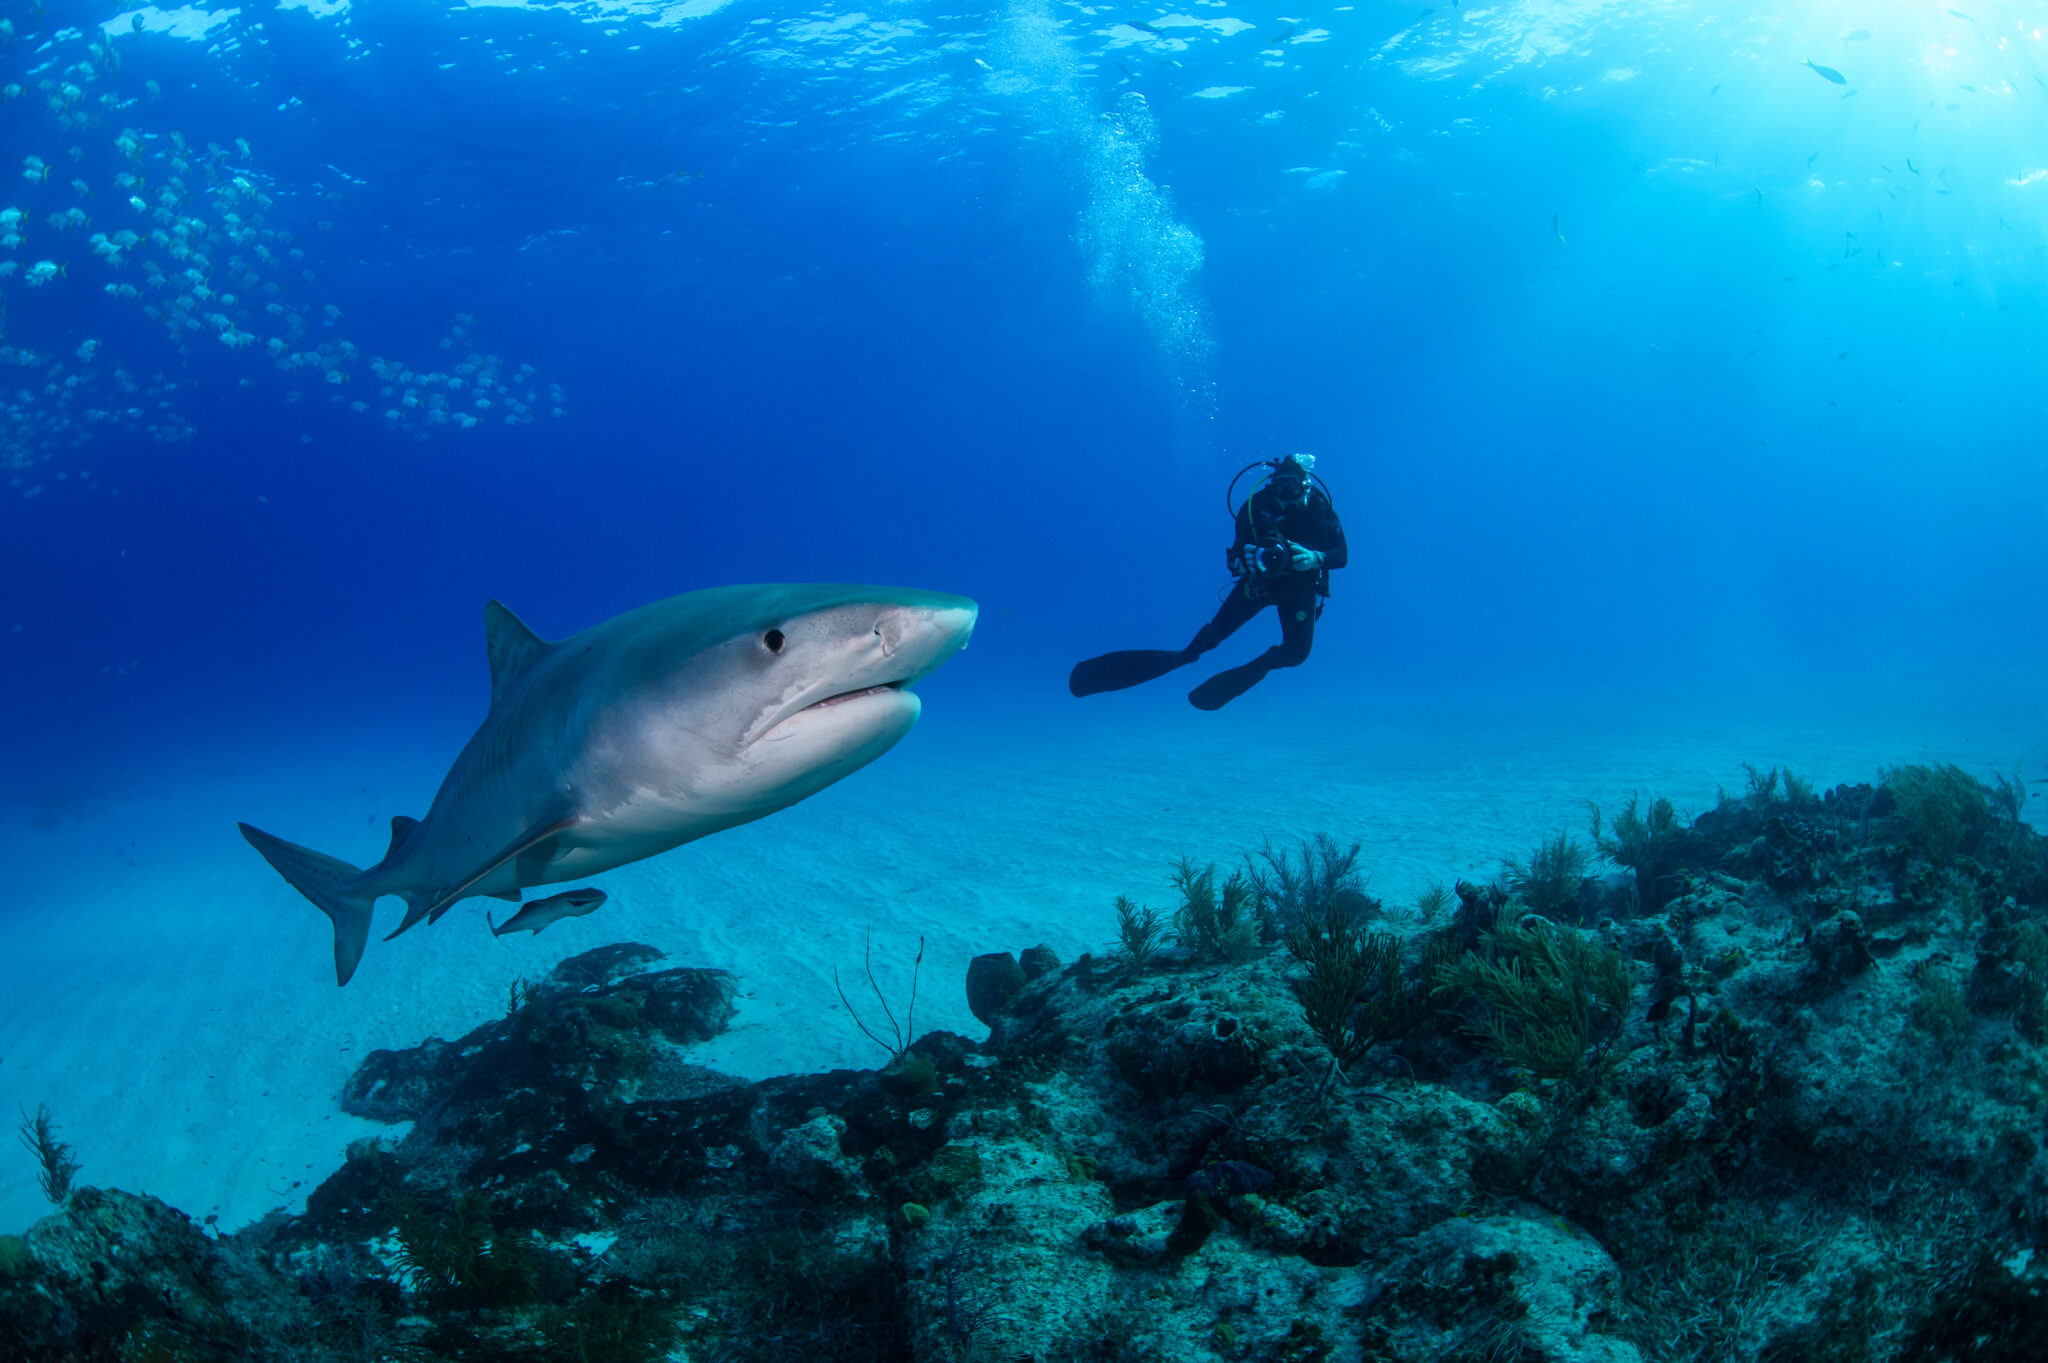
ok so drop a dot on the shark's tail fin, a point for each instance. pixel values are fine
(329, 882)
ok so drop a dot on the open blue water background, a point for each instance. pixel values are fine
(1647, 365)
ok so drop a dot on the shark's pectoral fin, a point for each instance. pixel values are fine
(532, 866)
(520, 846)
(512, 896)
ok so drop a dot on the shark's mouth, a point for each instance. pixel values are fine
(781, 727)
(845, 696)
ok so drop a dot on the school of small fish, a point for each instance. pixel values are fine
(183, 232)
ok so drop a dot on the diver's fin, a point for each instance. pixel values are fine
(1226, 687)
(330, 883)
(418, 907)
(513, 648)
(1115, 671)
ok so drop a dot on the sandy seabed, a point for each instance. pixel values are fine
(172, 1001)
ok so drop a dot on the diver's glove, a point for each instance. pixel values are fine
(1303, 560)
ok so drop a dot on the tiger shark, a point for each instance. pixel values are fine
(657, 727)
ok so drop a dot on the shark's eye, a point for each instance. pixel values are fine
(773, 638)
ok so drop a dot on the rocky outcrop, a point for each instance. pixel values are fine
(1805, 1127)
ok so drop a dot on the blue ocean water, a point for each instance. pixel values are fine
(1653, 371)
(1638, 358)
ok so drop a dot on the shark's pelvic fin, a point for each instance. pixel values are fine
(513, 648)
(417, 902)
(329, 882)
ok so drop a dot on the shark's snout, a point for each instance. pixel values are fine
(921, 637)
(861, 662)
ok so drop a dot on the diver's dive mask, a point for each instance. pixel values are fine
(1289, 478)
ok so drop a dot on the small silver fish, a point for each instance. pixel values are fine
(1827, 73)
(541, 912)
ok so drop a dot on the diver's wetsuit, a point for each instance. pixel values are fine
(1263, 519)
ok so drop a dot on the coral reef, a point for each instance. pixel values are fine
(1775, 1096)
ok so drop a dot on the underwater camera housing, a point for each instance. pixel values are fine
(1273, 555)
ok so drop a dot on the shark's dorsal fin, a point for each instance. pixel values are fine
(401, 824)
(512, 647)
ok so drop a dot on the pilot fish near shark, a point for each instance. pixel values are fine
(543, 912)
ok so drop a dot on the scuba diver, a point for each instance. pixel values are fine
(1288, 541)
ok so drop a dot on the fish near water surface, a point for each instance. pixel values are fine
(657, 727)
(1827, 73)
